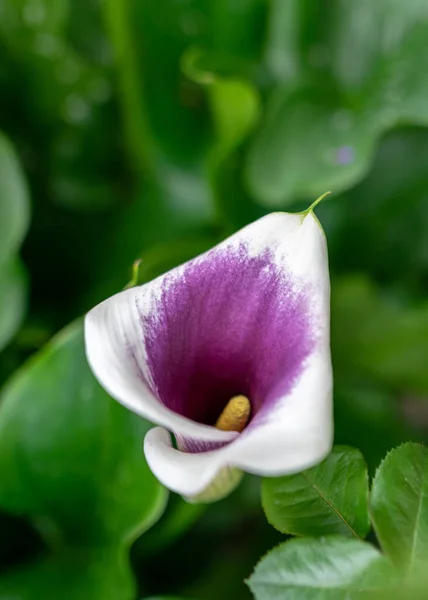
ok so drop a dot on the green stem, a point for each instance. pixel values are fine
(137, 129)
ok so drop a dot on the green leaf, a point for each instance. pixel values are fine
(13, 299)
(14, 201)
(84, 573)
(71, 459)
(236, 107)
(303, 149)
(334, 101)
(329, 498)
(331, 568)
(358, 50)
(14, 218)
(399, 506)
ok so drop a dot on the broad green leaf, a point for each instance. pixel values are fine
(14, 201)
(13, 292)
(306, 145)
(331, 568)
(71, 459)
(77, 573)
(60, 429)
(364, 34)
(14, 217)
(321, 128)
(399, 506)
(329, 498)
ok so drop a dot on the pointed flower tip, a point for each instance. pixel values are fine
(315, 204)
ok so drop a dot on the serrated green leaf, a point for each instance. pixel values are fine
(331, 568)
(71, 460)
(399, 506)
(329, 498)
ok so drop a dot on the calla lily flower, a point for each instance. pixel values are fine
(230, 353)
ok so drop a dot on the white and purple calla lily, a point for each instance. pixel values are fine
(230, 352)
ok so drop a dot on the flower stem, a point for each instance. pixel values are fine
(137, 130)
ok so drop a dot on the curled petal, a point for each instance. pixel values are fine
(200, 477)
(295, 435)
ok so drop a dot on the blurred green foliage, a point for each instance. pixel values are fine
(153, 130)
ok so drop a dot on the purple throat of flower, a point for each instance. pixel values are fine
(229, 324)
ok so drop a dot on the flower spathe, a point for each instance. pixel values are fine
(248, 320)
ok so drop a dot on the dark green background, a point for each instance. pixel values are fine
(153, 129)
